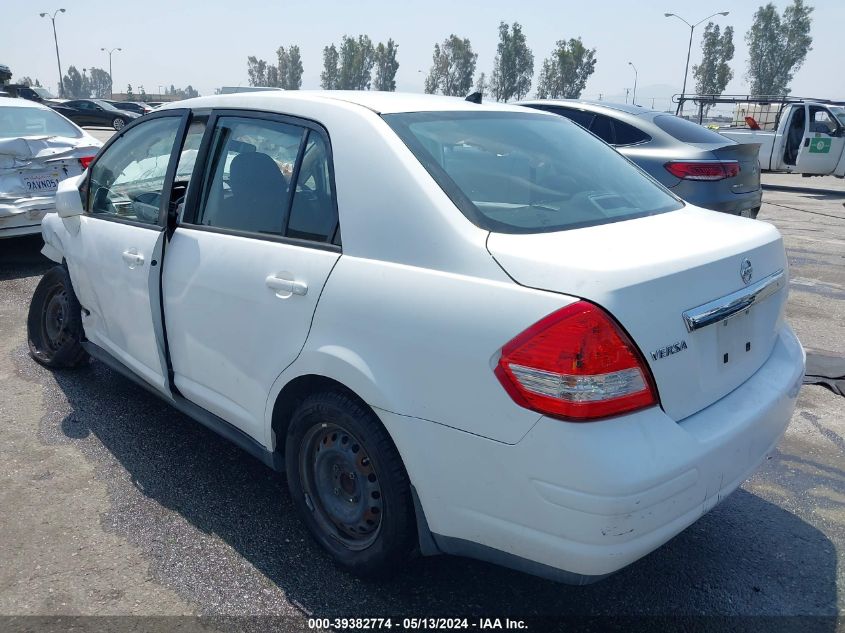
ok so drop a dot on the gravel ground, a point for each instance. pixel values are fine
(114, 503)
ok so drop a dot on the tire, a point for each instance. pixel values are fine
(349, 485)
(750, 213)
(54, 323)
(118, 123)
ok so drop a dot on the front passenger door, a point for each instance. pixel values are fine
(822, 144)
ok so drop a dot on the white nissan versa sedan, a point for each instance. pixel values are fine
(460, 328)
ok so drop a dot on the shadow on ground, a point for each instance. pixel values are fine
(746, 557)
(21, 257)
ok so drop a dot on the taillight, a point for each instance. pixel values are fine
(576, 364)
(85, 161)
(703, 169)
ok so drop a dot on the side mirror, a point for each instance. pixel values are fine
(68, 197)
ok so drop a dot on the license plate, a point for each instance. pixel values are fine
(41, 183)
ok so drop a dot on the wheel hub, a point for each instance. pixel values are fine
(54, 320)
(342, 484)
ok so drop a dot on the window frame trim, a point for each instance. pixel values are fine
(193, 198)
(167, 188)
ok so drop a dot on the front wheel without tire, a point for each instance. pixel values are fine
(348, 483)
(54, 323)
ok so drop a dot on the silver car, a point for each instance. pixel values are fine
(697, 164)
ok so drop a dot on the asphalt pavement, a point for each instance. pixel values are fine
(115, 504)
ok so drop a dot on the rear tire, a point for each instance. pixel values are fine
(54, 323)
(118, 123)
(750, 213)
(348, 483)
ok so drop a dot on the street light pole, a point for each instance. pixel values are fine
(111, 80)
(634, 99)
(56, 40)
(680, 110)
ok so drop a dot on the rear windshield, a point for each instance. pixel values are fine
(510, 172)
(16, 121)
(687, 131)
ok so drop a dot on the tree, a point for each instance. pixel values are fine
(100, 83)
(76, 85)
(513, 67)
(294, 73)
(452, 68)
(386, 66)
(481, 84)
(357, 57)
(25, 81)
(565, 73)
(713, 73)
(288, 73)
(330, 77)
(129, 94)
(777, 47)
(256, 70)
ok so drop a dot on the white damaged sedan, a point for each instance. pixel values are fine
(458, 328)
(38, 149)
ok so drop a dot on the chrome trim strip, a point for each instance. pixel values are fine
(729, 305)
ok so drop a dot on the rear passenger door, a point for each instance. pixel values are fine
(247, 261)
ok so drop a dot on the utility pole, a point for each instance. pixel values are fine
(56, 40)
(111, 80)
(680, 110)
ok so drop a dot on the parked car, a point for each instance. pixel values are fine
(38, 148)
(132, 106)
(458, 328)
(808, 139)
(697, 164)
(32, 93)
(94, 112)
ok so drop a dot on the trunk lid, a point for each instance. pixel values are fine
(748, 157)
(647, 272)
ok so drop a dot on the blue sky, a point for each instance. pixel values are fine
(206, 42)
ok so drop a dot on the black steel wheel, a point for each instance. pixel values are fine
(54, 323)
(348, 483)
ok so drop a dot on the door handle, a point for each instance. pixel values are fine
(286, 287)
(133, 258)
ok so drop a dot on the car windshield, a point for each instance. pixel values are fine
(511, 172)
(106, 105)
(839, 113)
(16, 121)
(42, 92)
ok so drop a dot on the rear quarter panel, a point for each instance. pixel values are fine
(423, 343)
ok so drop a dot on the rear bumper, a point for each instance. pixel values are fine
(723, 201)
(23, 216)
(575, 501)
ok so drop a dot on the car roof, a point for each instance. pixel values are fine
(379, 102)
(6, 102)
(595, 106)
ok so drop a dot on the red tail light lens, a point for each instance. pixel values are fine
(85, 161)
(703, 169)
(576, 364)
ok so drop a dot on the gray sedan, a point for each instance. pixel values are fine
(697, 164)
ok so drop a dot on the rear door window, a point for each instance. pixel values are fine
(602, 126)
(269, 177)
(627, 134)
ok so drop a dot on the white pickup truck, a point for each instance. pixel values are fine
(809, 139)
